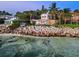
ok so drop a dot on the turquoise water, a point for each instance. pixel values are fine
(38, 46)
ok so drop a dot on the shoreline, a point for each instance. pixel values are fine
(20, 35)
(39, 31)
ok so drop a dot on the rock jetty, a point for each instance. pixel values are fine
(42, 31)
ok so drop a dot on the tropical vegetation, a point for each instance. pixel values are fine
(62, 15)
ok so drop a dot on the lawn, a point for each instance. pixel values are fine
(70, 25)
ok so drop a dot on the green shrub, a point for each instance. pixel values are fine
(14, 25)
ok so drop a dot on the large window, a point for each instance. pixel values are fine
(43, 16)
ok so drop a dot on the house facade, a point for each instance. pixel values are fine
(9, 21)
(75, 17)
(46, 19)
(4, 18)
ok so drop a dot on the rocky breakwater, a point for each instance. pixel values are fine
(4, 29)
(41, 31)
(47, 31)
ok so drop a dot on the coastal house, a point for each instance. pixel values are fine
(46, 19)
(75, 17)
(4, 17)
(9, 21)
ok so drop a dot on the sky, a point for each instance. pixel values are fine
(14, 6)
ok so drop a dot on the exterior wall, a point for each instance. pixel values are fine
(45, 22)
(51, 22)
(41, 22)
(44, 16)
(75, 18)
(8, 22)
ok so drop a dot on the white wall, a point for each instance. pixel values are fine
(44, 16)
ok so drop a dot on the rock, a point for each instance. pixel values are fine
(41, 31)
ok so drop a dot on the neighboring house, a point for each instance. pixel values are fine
(75, 17)
(9, 21)
(46, 19)
(4, 17)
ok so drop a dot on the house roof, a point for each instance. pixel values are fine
(13, 18)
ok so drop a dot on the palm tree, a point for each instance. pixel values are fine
(60, 16)
(67, 15)
(43, 7)
(53, 10)
(76, 10)
(5, 13)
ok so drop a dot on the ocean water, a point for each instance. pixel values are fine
(12, 46)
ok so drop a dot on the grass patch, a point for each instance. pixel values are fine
(70, 25)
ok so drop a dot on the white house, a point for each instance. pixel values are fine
(44, 16)
(9, 21)
(46, 19)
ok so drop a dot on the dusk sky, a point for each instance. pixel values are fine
(14, 6)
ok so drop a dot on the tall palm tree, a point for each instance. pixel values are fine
(60, 16)
(67, 15)
(43, 7)
(53, 10)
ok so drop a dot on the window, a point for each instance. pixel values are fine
(43, 16)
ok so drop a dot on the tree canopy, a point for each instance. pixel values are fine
(5, 13)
